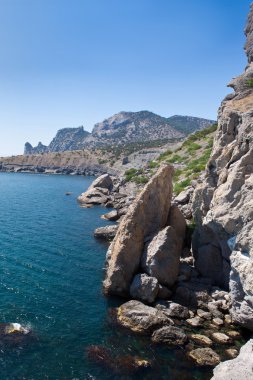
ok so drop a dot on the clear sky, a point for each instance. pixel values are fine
(66, 63)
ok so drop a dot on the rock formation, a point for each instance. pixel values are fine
(238, 368)
(124, 127)
(145, 217)
(223, 203)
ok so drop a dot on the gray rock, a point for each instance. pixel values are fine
(173, 310)
(223, 202)
(161, 257)
(103, 181)
(112, 215)
(141, 318)
(148, 214)
(238, 368)
(184, 196)
(204, 357)
(170, 335)
(106, 233)
(144, 288)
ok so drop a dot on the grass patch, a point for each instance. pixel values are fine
(180, 186)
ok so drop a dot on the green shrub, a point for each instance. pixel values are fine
(141, 179)
(180, 186)
(153, 164)
(249, 82)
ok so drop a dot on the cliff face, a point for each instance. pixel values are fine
(223, 203)
(122, 128)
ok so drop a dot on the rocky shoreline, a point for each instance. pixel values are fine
(170, 301)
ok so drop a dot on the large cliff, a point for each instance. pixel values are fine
(223, 202)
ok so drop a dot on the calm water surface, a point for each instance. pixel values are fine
(51, 269)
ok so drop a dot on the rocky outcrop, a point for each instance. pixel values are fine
(238, 368)
(98, 192)
(140, 318)
(106, 233)
(161, 257)
(145, 217)
(223, 203)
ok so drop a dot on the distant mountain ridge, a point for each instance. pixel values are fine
(122, 128)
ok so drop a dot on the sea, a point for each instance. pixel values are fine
(51, 272)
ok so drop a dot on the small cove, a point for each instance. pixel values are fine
(51, 271)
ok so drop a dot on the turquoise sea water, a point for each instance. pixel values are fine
(51, 270)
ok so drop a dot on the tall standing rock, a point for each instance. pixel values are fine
(145, 217)
(223, 203)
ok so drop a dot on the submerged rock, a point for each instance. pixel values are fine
(204, 357)
(201, 339)
(140, 318)
(170, 335)
(221, 338)
(239, 368)
(147, 215)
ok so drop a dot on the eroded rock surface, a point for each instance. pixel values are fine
(238, 368)
(144, 288)
(140, 318)
(145, 217)
(161, 257)
(223, 202)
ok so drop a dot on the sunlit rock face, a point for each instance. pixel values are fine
(223, 202)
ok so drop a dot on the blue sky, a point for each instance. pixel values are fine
(69, 63)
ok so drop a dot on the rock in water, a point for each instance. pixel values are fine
(161, 258)
(170, 335)
(140, 318)
(238, 368)
(98, 192)
(106, 233)
(204, 357)
(144, 288)
(223, 202)
(147, 215)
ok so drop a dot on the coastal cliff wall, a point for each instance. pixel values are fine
(223, 203)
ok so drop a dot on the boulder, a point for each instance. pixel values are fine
(170, 335)
(106, 233)
(144, 288)
(103, 181)
(201, 339)
(161, 257)
(112, 215)
(184, 196)
(141, 318)
(173, 310)
(147, 215)
(238, 368)
(195, 321)
(221, 338)
(204, 357)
